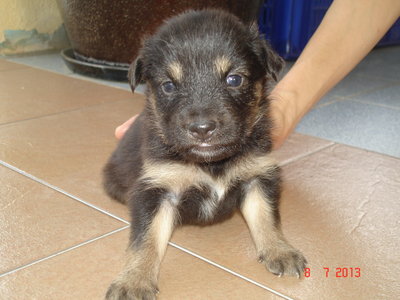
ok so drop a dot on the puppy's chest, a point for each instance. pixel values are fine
(199, 196)
(204, 201)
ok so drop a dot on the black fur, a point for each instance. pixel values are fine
(195, 40)
(143, 210)
(271, 186)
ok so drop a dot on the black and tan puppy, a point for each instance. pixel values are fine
(199, 150)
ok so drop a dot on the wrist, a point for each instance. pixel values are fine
(284, 113)
(291, 99)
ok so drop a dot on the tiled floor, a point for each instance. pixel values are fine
(364, 109)
(62, 238)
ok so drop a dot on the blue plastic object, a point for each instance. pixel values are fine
(289, 24)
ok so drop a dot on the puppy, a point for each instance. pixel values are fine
(200, 149)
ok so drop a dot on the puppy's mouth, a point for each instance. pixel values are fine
(210, 152)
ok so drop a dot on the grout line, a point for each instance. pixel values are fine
(99, 81)
(335, 99)
(229, 271)
(13, 69)
(392, 156)
(66, 111)
(63, 251)
(366, 75)
(363, 92)
(71, 74)
(370, 90)
(34, 178)
(374, 104)
(306, 154)
(27, 65)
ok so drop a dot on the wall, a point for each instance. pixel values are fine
(30, 25)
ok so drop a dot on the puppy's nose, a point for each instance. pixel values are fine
(203, 129)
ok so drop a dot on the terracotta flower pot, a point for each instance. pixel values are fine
(106, 34)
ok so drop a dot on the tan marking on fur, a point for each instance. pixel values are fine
(255, 112)
(153, 106)
(143, 263)
(209, 206)
(259, 91)
(156, 115)
(260, 218)
(171, 175)
(139, 274)
(162, 226)
(222, 65)
(176, 71)
(177, 177)
(272, 248)
(249, 167)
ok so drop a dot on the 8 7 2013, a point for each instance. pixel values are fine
(339, 272)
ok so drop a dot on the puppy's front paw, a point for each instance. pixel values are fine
(120, 291)
(285, 261)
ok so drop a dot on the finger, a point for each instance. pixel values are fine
(120, 130)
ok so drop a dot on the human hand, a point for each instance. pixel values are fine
(284, 114)
(121, 129)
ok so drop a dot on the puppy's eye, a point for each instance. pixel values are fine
(234, 80)
(168, 87)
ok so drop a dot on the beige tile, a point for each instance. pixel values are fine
(29, 93)
(36, 221)
(86, 272)
(69, 150)
(340, 208)
(6, 65)
(298, 145)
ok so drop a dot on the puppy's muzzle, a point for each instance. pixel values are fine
(202, 130)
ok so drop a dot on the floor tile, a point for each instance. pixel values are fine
(140, 89)
(86, 272)
(327, 99)
(116, 84)
(389, 96)
(5, 65)
(30, 93)
(386, 56)
(340, 208)
(54, 62)
(37, 221)
(298, 145)
(51, 61)
(381, 63)
(366, 126)
(69, 150)
(354, 84)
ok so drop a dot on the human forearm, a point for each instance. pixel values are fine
(350, 29)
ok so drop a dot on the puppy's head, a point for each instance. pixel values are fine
(207, 76)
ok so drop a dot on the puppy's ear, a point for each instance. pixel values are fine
(275, 63)
(268, 57)
(135, 73)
